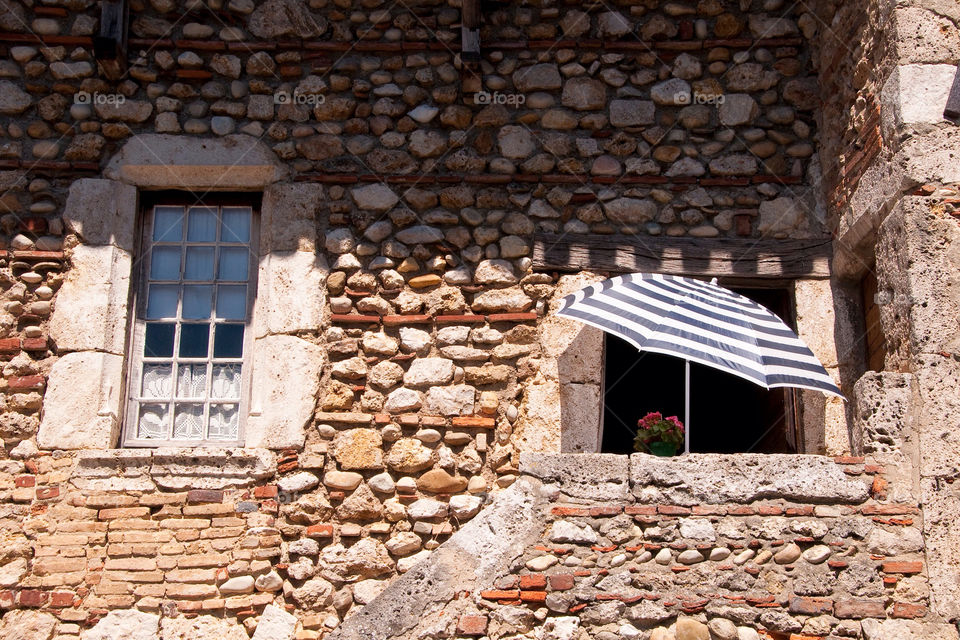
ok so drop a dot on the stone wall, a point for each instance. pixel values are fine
(412, 189)
(788, 547)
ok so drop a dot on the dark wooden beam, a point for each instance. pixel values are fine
(470, 32)
(703, 257)
(953, 101)
(110, 46)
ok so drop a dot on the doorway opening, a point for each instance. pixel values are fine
(728, 414)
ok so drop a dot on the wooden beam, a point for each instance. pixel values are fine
(703, 257)
(110, 46)
(470, 32)
(953, 101)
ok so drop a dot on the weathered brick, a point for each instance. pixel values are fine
(494, 594)
(204, 495)
(185, 523)
(203, 560)
(905, 568)
(33, 598)
(472, 625)
(131, 564)
(123, 512)
(859, 609)
(561, 581)
(534, 581)
(192, 575)
(208, 509)
(811, 606)
(906, 610)
(191, 591)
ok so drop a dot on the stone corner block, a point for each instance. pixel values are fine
(102, 212)
(917, 94)
(286, 380)
(90, 313)
(596, 476)
(292, 294)
(81, 408)
(288, 217)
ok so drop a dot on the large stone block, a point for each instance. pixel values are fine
(102, 212)
(716, 479)
(291, 294)
(286, 379)
(81, 407)
(594, 476)
(917, 94)
(275, 624)
(184, 162)
(288, 217)
(24, 624)
(90, 313)
(126, 624)
(182, 628)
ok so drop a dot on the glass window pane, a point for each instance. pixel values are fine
(236, 224)
(228, 341)
(199, 264)
(192, 381)
(153, 421)
(165, 263)
(167, 224)
(188, 421)
(157, 381)
(193, 340)
(162, 301)
(197, 300)
(202, 224)
(232, 302)
(226, 382)
(224, 422)
(158, 341)
(234, 263)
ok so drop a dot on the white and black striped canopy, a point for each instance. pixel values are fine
(701, 322)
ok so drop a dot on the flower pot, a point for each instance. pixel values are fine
(663, 449)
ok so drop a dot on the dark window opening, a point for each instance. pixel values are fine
(728, 414)
(876, 343)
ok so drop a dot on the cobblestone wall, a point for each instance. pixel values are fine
(680, 119)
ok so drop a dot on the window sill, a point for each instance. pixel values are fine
(171, 468)
(698, 478)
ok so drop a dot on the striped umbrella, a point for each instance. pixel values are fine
(700, 322)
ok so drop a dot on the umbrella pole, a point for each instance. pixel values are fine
(686, 407)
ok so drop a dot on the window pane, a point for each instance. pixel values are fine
(224, 422)
(192, 381)
(162, 301)
(152, 422)
(197, 301)
(236, 224)
(188, 421)
(165, 263)
(193, 340)
(232, 302)
(226, 382)
(228, 341)
(168, 224)
(202, 224)
(199, 264)
(234, 263)
(158, 341)
(157, 381)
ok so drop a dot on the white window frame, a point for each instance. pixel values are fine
(137, 333)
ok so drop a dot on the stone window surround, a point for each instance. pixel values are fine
(84, 400)
(563, 406)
